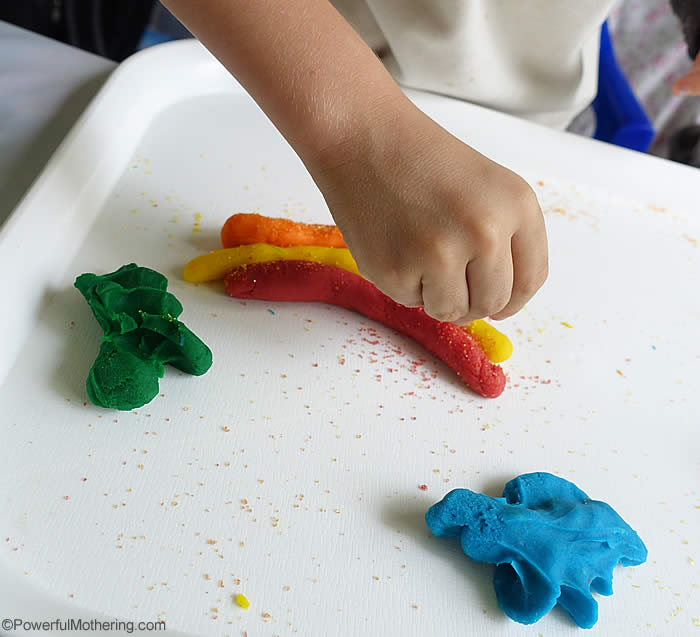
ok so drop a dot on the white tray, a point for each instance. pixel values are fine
(324, 430)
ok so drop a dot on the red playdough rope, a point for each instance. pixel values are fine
(308, 281)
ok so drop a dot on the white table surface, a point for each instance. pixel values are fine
(356, 444)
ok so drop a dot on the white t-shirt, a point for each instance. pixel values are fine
(536, 59)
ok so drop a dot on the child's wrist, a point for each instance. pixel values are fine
(355, 132)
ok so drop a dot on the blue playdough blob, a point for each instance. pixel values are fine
(550, 542)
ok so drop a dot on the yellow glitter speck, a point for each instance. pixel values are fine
(565, 324)
(241, 600)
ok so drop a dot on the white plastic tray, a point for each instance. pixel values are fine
(290, 471)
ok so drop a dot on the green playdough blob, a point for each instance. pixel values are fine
(141, 335)
(121, 380)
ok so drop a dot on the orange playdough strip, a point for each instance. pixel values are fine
(246, 228)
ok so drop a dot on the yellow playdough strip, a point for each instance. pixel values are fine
(217, 264)
(496, 345)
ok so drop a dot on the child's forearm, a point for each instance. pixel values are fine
(302, 63)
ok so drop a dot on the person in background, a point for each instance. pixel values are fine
(654, 56)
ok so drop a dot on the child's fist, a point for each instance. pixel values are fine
(430, 221)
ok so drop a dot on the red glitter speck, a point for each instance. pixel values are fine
(423, 487)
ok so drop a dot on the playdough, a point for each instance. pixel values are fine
(217, 264)
(308, 281)
(496, 345)
(551, 543)
(141, 334)
(242, 229)
(241, 600)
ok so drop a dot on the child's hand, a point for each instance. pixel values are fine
(428, 219)
(689, 84)
(431, 221)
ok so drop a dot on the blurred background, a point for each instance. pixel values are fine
(111, 29)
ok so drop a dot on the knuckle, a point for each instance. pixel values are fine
(446, 308)
(441, 253)
(528, 286)
(400, 285)
(488, 236)
(498, 304)
(523, 198)
(442, 247)
(488, 306)
(390, 278)
(445, 315)
(462, 310)
(521, 191)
